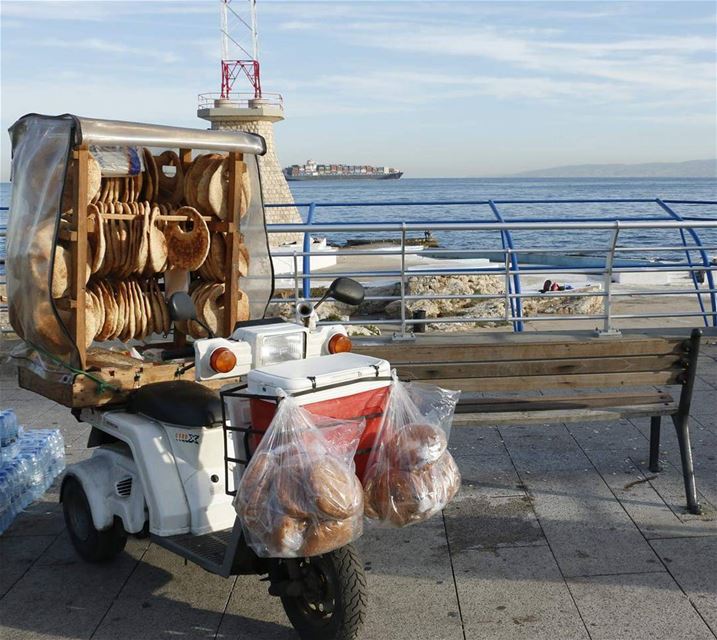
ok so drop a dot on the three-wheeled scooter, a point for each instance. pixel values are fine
(165, 464)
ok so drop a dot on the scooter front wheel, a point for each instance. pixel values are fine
(92, 544)
(332, 604)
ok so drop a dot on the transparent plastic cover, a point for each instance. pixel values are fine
(41, 188)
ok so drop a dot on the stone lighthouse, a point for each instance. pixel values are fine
(255, 112)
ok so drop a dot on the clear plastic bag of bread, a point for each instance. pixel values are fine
(410, 475)
(299, 495)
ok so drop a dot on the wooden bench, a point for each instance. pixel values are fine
(608, 378)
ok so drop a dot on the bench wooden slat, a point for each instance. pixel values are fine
(564, 415)
(550, 403)
(536, 383)
(547, 367)
(472, 349)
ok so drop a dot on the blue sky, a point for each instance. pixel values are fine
(436, 88)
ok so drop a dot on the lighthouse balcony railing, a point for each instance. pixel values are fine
(239, 100)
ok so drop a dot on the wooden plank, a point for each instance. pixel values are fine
(233, 238)
(473, 349)
(78, 253)
(566, 415)
(547, 367)
(81, 391)
(574, 401)
(185, 157)
(537, 383)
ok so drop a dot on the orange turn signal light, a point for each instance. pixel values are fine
(222, 360)
(339, 343)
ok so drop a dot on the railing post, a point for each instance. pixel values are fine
(306, 263)
(608, 329)
(296, 278)
(508, 301)
(404, 335)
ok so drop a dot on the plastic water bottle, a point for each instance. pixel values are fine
(9, 446)
(5, 501)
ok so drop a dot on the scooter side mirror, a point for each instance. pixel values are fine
(346, 290)
(181, 307)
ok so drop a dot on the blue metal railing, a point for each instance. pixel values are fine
(666, 217)
(665, 210)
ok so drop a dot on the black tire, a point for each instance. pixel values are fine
(333, 605)
(91, 544)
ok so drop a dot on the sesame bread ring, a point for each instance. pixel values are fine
(188, 249)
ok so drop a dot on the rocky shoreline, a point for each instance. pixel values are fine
(492, 311)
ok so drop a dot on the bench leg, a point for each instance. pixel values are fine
(655, 422)
(688, 472)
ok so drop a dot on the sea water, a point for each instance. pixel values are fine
(28, 465)
(407, 190)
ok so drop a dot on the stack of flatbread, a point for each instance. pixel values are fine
(132, 241)
(126, 310)
(206, 185)
(209, 302)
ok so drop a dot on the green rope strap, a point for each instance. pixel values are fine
(102, 386)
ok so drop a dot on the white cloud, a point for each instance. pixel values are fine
(630, 61)
(99, 10)
(111, 47)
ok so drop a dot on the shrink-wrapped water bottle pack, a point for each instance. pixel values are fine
(29, 462)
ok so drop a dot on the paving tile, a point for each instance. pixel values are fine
(63, 597)
(475, 441)
(693, 565)
(637, 489)
(42, 518)
(476, 522)
(17, 554)
(646, 606)
(410, 584)
(489, 476)
(515, 593)
(614, 435)
(585, 525)
(252, 614)
(165, 598)
(543, 443)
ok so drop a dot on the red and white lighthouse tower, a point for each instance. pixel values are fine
(241, 105)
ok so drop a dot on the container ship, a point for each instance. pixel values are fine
(313, 171)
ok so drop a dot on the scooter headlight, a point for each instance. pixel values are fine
(281, 347)
(222, 360)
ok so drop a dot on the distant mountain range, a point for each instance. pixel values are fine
(689, 169)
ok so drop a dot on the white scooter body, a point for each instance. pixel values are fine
(169, 476)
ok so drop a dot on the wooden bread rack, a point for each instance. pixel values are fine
(118, 374)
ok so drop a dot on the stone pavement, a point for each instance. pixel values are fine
(550, 538)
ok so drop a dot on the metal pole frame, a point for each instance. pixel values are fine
(705, 261)
(306, 263)
(608, 329)
(403, 335)
(507, 241)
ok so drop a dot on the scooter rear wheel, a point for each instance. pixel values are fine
(332, 605)
(90, 543)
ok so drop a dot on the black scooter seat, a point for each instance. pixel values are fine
(181, 402)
